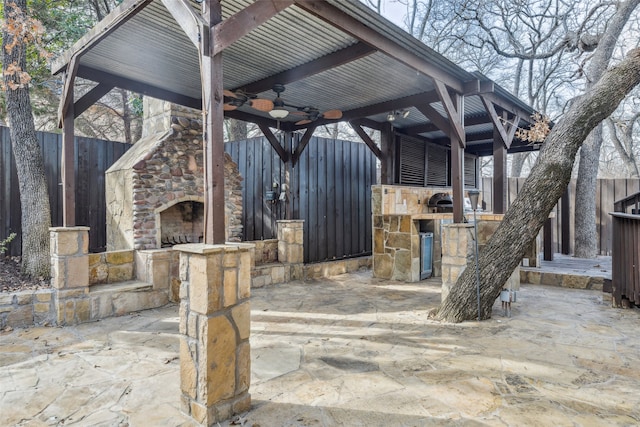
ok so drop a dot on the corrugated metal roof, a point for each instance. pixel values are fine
(150, 49)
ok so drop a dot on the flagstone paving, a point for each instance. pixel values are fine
(346, 351)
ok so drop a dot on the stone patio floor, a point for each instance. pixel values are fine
(346, 351)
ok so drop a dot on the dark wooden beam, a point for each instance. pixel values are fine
(441, 123)
(189, 20)
(388, 149)
(242, 23)
(506, 126)
(302, 145)
(368, 123)
(430, 127)
(327, 62)
(480, 136)
(367, 140)
(477, 87)
(68, 170)
(382, 107)
(138, 87)
(503, 104)
(457, 181)
(547, 240)
(454, 107)
(290, 177)
(91, 97)
(499, 201)
(350, 25)
(266, 131)
(565, 218)
(213, 141)
(117, 17)
(68, 165)
(67, 116)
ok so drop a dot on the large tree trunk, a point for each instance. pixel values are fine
(237, 130)
(542, 189)
(586, 237)
(36, 217)
(517, 163)
(585, 212)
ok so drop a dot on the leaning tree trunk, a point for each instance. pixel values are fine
(586, 182)
(542, 189)
(36, 217)
(586, 233)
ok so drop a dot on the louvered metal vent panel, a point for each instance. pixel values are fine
(437, 166)
(412, 161)
(470, 171)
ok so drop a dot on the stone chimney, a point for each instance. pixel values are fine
(155, 191)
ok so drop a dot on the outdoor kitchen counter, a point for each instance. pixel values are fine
(482, 216)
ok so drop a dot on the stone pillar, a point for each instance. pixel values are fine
(69, 248)
(215, 364)
(291, 245)
(154, 266)
(458, 249)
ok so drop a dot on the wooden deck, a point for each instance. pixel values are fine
(570, 272)
(567, 264)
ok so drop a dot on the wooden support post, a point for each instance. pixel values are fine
(68, 165)
(213, 141)
(387, 142)
(290, 176)
(564, 222)
(499, 174)
(457, 180)
(547, 240)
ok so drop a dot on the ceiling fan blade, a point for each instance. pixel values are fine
(229, 107)
(261, 104)
(229, 94)
(303, 122)
(332, 114)
(299, 113)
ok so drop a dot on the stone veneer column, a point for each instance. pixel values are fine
(291, 245)
(215, 364)
(458, 249)
(69, 248)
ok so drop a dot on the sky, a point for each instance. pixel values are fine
(394, 11)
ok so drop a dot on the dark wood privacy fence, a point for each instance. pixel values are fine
(608, 191)
(625, 261)
(330, 190)
(93, 158)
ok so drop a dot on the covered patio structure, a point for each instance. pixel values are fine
(319, 61)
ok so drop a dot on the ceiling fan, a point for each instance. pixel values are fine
(277, 108)
(240, 98)
(310, 114)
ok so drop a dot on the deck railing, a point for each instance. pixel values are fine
(625, 259)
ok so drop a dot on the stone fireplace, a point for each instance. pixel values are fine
(155, 190)
(182, 223)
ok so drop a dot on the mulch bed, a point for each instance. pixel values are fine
(12, 280)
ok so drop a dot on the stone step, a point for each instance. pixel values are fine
(537, 276)
(128, 286)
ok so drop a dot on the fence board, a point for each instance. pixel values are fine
(607, 192)
(330, 189)
(93, 158)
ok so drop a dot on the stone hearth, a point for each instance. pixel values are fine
(156, 189)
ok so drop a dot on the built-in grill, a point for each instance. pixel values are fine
(440, 203)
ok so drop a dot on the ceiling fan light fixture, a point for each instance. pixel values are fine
(391, 116)
(279, 113)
